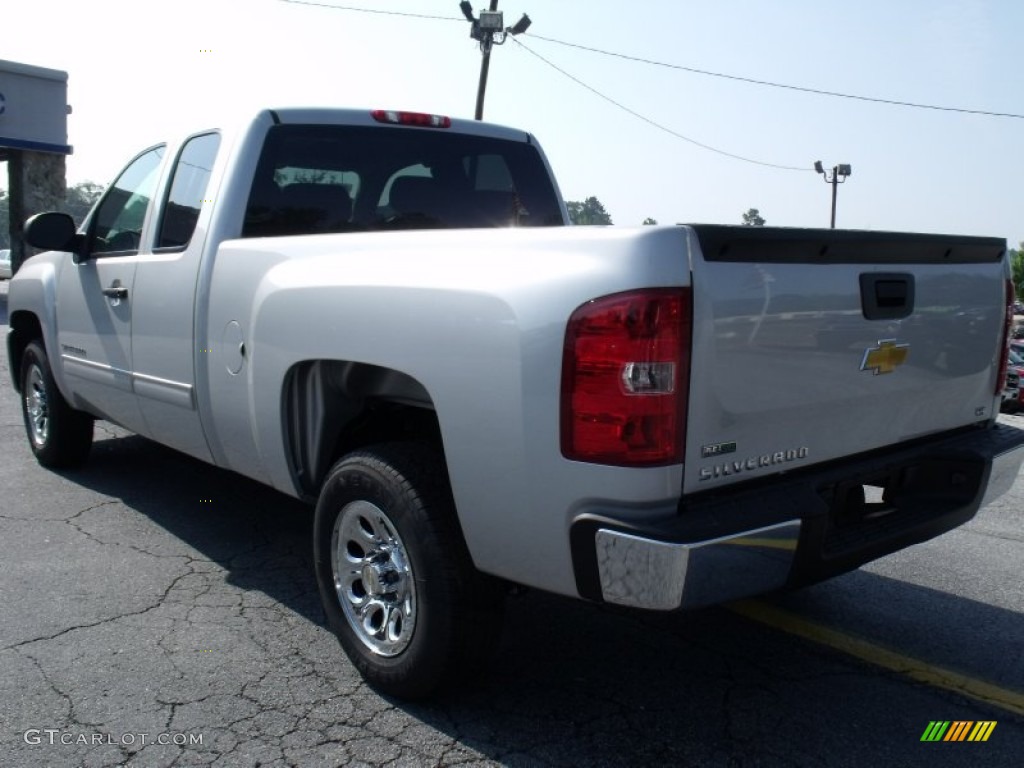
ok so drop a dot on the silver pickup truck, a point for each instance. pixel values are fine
(385, 313)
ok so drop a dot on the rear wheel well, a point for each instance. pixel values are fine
(387, 422)
(334, 407)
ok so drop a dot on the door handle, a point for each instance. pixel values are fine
(116, 291)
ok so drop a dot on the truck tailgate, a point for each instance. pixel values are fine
(811, 345)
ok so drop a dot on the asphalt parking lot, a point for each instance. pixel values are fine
(155, 611)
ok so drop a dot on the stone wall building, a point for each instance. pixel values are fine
(33, 142)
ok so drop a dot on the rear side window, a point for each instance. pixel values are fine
(188, 190)
(313, 179)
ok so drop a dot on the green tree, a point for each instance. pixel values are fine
(753, 218)
(649, 221)
(590, 211)
(1017, 271)
(79, 199)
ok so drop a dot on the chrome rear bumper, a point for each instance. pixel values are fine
(652, 574)
(792, 530)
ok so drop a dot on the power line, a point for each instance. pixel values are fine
(770, 84)
(692, 70)
(372, 10)
(651, 122)
(575, 79)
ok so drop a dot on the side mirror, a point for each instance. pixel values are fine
(53, 231)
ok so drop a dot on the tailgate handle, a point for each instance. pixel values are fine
(887, 295)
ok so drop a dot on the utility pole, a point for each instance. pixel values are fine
(489, 30)
(486, 43)
(838, 176)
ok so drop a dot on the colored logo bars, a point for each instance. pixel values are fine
(958, 730)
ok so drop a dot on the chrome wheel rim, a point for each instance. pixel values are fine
(37, 407)
(373, 578)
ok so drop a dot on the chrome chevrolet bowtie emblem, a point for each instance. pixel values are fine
(885, 358)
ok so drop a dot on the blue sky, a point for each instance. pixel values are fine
(138, 73)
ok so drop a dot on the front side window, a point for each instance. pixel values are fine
(188, 190)
(117, 225)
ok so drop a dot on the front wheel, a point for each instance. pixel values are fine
(59, 435)
(398, 587)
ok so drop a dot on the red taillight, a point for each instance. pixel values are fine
(1004, 348)
(625, 374)
(419, 119)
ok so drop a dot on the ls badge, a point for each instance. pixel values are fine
(885, 358)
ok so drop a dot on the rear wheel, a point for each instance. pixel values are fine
(398, 587)
(59, 435)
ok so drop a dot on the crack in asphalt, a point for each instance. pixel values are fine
(993, 535)
(102, 542)
(62, 519)
(100, 622)
(53, 686)
(77, 627)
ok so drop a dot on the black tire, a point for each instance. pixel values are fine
(398, 587)
(59, 435)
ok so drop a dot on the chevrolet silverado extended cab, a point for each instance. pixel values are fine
(385, 314)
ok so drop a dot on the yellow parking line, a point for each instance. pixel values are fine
(915, 669)
(750, 541)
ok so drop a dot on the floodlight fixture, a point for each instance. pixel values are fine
(492, 21)
(521, 26)
(818, 166)
(844, 170)
(488, 29)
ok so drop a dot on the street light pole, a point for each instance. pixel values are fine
(835, 194)
(838, 176)
(489, 30)
(485, 66)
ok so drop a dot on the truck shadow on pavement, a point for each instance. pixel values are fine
(575, 684)
(232, 521)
